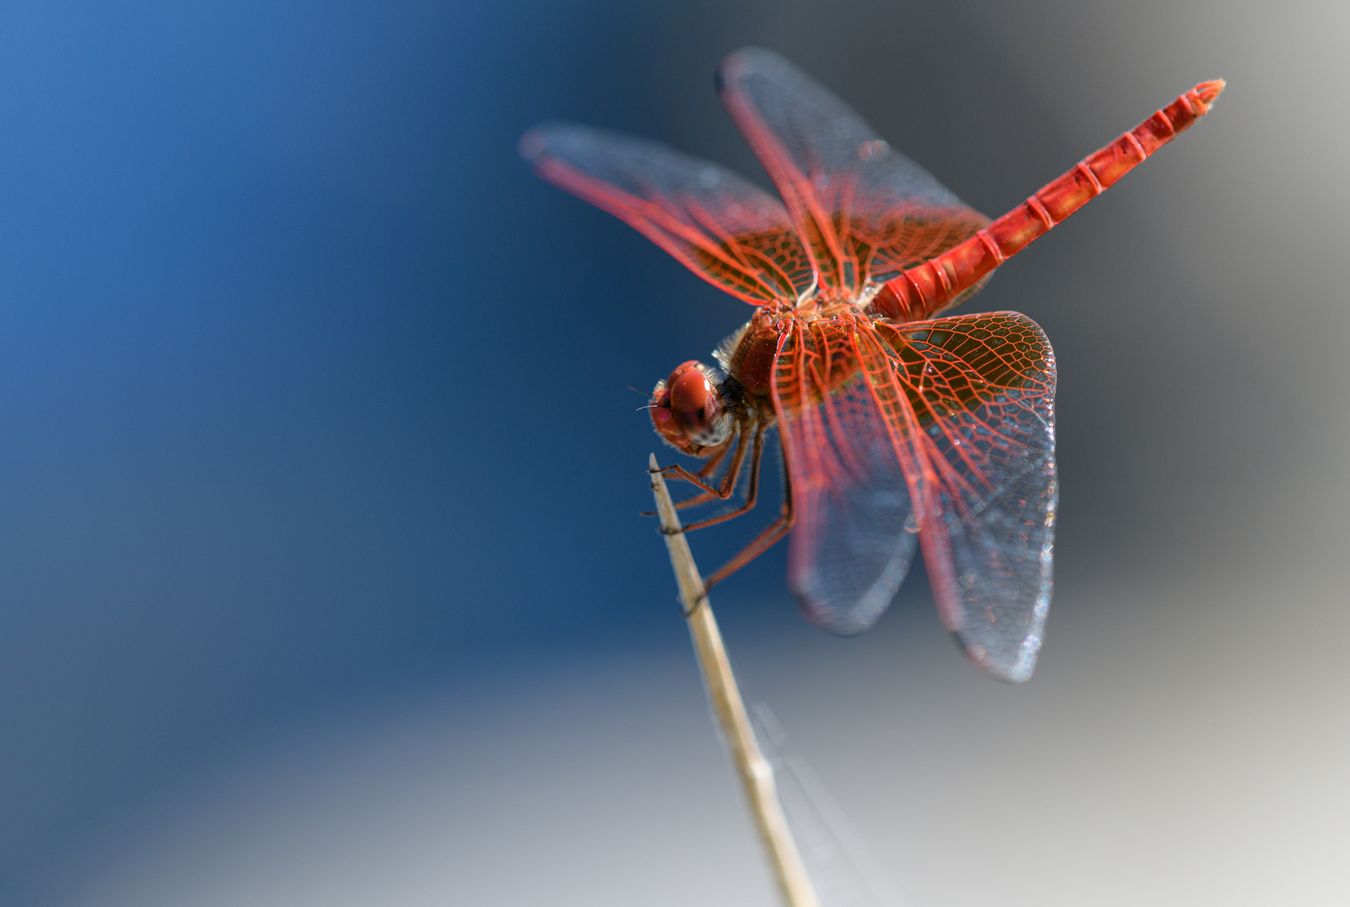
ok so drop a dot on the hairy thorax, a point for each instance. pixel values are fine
(749, 355)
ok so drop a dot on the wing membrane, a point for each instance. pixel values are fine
(981, 389)
(721, 227)
(854, 531)
(865, 212)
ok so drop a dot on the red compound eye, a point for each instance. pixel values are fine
(687, 409)
(692, 396)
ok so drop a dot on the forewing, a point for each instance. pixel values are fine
(854, 531)
(981, 388)
(865, 212)
(721, 227)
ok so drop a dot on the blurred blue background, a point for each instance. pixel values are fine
(321, 574)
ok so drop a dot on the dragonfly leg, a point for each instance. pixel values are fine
(760, 543)
(700, 479)
(729, 481)
(710, 465)
(724, 487)
(752, 490)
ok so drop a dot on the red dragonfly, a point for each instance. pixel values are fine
(897, 427)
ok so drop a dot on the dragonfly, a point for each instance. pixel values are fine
(901, 429)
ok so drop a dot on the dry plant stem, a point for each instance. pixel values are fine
(754, 770)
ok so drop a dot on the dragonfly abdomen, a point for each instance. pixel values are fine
(936, 284)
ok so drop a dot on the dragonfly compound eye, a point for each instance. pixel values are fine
(687, 409)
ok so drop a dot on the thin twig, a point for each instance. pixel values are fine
(754, 770)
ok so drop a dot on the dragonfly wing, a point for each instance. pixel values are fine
(865, 212)
(854, 533)
(981, 388)
(721, 227)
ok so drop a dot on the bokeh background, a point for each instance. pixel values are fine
(321, 574)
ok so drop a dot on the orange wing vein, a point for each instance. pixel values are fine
(943, 428)
(978, 394)
(865, 212)
(854, 530)
(721, 227)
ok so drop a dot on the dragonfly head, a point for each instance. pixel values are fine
(689, 411)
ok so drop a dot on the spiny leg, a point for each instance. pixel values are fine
(725, 487)
(700, 479)
(762, 542)
(710, 465)
(729, 481)
(751, 492)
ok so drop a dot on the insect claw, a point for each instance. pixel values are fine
(698, 603)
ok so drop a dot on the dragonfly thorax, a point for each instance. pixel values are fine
(748, 354)
(751, 354)
(692, 409)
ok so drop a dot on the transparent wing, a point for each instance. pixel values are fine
(865, 212)
(854, 531)
(981, 391)
(721, 227)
